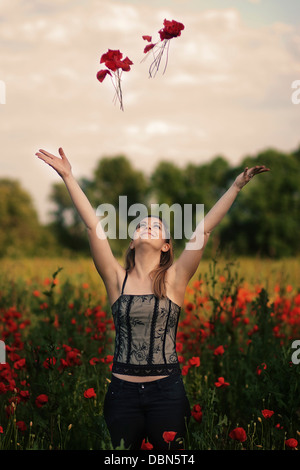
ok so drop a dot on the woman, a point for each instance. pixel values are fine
(146, 396)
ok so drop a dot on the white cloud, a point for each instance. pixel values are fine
(163, 128)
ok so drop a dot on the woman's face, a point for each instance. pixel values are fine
(151, 228)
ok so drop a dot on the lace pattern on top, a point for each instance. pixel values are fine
(145, 342)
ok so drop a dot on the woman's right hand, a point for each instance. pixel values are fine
(61, 165)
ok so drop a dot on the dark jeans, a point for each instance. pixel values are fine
(134, 411)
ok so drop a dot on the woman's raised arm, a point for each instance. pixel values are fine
(104, 260)
(188, 262)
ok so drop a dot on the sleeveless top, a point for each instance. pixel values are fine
(145, 341)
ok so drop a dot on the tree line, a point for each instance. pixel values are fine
(263, 221)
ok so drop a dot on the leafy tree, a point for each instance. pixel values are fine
(67, 226)
(20, 231)
(265, 218)
(194, 184)
(114, 177)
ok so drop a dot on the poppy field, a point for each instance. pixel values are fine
(234, 342)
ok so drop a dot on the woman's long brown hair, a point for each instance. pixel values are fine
(158, 274)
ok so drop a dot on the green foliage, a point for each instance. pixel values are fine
(264, 220)
(266, 216)
(19, 222)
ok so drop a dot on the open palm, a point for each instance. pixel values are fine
(61, 165)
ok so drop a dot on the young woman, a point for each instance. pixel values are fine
(146, 396)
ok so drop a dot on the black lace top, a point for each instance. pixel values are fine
(146, 329)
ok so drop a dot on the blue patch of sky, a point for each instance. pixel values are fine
(253, 14)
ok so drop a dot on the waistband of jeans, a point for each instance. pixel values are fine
(146, 385)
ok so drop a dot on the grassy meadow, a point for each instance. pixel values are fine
(234, 344)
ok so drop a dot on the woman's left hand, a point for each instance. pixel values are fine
(248, 174)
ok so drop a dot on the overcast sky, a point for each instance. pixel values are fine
(227, 88)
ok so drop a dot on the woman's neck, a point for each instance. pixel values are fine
(145, 263)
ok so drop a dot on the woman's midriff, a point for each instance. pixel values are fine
(134, 378)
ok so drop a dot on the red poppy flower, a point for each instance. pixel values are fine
(146, 445)
(291, 443)
(238, 434)
(171, 29)
(197, 413)
(41, 400)
(168, 436)
(194, 361)
(219, 351)
(267, 413)
(24, 395)
(185, 370)
(90, 393)
(115, 66)
(111, 54)
(221, 382)
(94, 360)
(20, 364)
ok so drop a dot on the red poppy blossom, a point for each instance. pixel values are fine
(169, 436)
(197, 413)
(185, 370)
(113, 60)
(146, 445)
(90, 393)
(194, 361)
(267, 413)
(20, 364)
(24, 395)
(41, 400)
(238, 434)
(219, 350)
(94, 360)
(291, 443)
(221, 383)
(171, 29)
